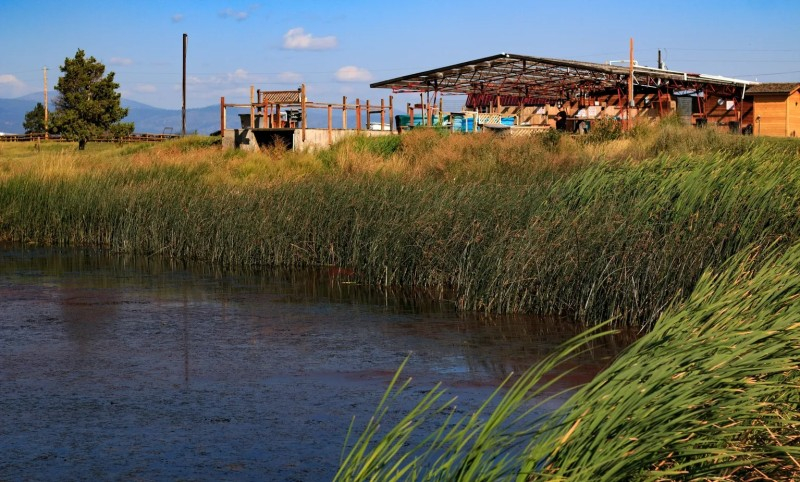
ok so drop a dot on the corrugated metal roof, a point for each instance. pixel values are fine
(525, 76)
(774, 88)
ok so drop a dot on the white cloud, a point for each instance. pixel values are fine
(120, 61)
(290, 77)
(11, 86)
(351, 73)
(239, 15)
(145, 88)
(177, 18)
(298, 39)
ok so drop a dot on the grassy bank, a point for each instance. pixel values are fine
(711, 393)
(595, 227)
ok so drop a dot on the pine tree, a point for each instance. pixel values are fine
(88, 105)
(34, 120)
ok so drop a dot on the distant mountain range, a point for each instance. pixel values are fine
(153, 120)
(146, 118)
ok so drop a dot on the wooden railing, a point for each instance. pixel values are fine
(267, 105)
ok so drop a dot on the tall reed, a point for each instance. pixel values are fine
(552, 224)
(711, 393)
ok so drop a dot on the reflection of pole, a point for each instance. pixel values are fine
(45, 102)
(185, 341)
(183, 110)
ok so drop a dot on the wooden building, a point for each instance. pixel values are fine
(775, 109)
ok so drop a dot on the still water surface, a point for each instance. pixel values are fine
(115, 367)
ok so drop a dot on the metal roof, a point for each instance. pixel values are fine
(774, 88)
(525, 76)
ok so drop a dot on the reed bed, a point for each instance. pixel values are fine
(711, 393)
(592, 227)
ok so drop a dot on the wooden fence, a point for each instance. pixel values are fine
(32, 137)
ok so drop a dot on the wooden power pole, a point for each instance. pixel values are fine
(45, 102)
(631, 101)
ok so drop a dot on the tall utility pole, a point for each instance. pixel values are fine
(631, 101)
(183, 110)
(45, 102)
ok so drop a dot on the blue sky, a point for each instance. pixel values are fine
(338, 47)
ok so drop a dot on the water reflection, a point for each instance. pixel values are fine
(262, 372)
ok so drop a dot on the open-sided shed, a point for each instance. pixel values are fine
(524, 85)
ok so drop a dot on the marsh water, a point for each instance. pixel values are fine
(119, 367)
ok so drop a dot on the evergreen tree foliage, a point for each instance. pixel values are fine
(34, 120)
(88, 105)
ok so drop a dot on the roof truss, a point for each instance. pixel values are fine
(524, 76)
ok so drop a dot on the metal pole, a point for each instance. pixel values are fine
(183, 109)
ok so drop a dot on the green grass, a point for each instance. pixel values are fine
(711, 393)
(602, 227)
(569, 226)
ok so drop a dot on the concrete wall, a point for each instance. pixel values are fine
(318, 138)
(245, 139)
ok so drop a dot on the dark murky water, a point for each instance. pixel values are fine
(128, 368)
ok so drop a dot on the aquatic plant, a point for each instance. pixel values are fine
(581, 227)
(711, 393)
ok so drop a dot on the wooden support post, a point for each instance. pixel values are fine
(441, 111)
(222, 116)
(330, 122)
(358, 114)
(278, 122)
(383, 115)
(252, 108)
(422, 107)
(303, 109)
(344, 113)
(391, 114)
(369, 114)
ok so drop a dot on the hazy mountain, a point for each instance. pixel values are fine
(146, 118)
(154, 120)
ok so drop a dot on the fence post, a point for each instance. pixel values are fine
(330, 121)
(358, 114)
(303, 109)
(391, 113)
(252, 109)
(222, 116)
(344, 112)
